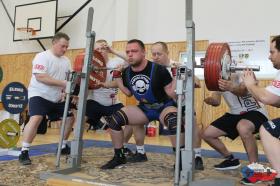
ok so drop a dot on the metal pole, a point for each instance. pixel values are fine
(181, 77)
(77, 143)
(186, 175)
(41, 44)
(5, 8)
(178, 134)
(66, 107)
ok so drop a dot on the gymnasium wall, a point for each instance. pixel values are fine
(17, 67)
(150, 21)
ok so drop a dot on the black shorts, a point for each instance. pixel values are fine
(228, 122)
(273, 127)
(94, 110)
(40, 106)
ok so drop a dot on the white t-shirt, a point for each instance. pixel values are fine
(56, 67)
(274, 88)
(107, 96)
(239, 105)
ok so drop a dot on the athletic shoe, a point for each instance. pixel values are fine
(66, 150)
(255, 172)
(246, 181)
(228, 164)
(137, 157)
(128, 152)
(115, 162)
(24, 158)
(198, 163)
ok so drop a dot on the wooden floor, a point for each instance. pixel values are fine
(52, 136)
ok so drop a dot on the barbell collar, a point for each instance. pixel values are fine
(199, 66)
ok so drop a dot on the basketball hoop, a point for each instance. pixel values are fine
(26, 33)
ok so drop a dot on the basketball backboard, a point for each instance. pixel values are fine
(35, 20)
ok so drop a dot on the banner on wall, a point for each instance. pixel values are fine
(253, 52)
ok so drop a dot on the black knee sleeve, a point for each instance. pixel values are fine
(117, 120)
(171, 122)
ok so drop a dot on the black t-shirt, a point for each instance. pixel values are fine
(160, 78)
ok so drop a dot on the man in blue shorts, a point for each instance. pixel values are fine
(45, 92)
(152, 85)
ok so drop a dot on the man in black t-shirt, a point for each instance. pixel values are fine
(152, 85)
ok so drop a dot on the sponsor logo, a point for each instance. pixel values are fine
(140, 84)
(276, 83)
(39, 67)
(250, 103)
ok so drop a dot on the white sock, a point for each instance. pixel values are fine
(140, 149)
(25, 146)
(64, 142)
(197, 152)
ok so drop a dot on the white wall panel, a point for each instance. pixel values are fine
(153, 20)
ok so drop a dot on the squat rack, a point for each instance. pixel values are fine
(185, 86)
(184, 74)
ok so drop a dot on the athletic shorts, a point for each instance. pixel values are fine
(273, 127)
(40, 106)
(94, 110)
(228, 122)
(153, 114)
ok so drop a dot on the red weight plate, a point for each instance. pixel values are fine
(208, 65)
(95, 76)
(212, 77)
(211, 68)
(217, 68)
(212, 64)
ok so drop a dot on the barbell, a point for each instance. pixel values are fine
(217, 64)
